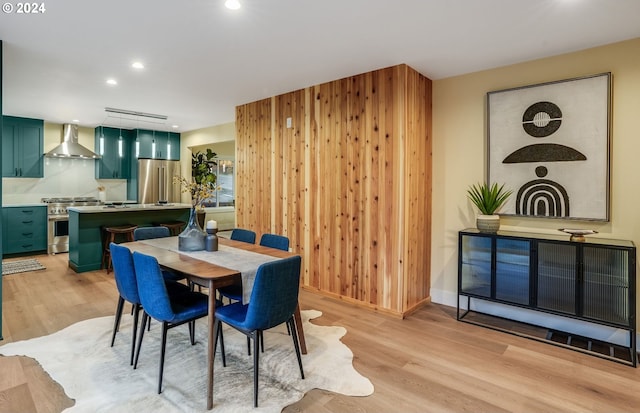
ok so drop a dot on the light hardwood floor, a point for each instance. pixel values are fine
(428, 362)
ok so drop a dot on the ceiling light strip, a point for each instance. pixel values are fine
(134, 113)
(122, 122)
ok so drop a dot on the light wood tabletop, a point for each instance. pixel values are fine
(211, 276)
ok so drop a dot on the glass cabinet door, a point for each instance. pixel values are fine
(512, 270)
(557, 277)
(476, 266)
(606, 284)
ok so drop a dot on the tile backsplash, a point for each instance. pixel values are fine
(62, 178)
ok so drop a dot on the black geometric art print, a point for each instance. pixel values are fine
(542, 197)
(549, 143)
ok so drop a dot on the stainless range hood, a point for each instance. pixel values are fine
(70, 148)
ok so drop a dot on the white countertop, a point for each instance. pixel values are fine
(26, 204)
(125, 208)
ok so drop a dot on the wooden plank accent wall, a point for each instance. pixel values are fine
(253, 158)
(349, 183)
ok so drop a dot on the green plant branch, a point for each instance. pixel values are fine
(202, 184)
(488, 198)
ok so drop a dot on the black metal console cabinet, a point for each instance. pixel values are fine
(592, 281)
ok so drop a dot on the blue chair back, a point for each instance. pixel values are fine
(124, 273)
(275, 241)
(152, 288)
(150, 232)
(244, 235)
(274, 297)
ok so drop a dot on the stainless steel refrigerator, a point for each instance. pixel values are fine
(155, 181)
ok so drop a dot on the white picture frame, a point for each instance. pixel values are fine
(549, 143)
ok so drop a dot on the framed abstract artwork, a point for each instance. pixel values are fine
(549, 143)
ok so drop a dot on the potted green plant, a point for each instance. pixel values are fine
(202, 167)
(488, 199)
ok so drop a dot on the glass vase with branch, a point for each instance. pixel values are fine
(201, 187)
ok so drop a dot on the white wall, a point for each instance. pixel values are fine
(197, 138)
(459, 150)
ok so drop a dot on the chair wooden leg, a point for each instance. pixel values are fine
(296, 344)
(300, 330)
(145, 316)
(116, 324)
(256, 366)
(165, 327)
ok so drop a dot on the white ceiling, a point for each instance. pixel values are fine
(202, 59)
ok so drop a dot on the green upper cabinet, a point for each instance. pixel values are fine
(22, 147)
(173, 146)
(157, 144)
(114, 146)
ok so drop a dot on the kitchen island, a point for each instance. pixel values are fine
(86, 222)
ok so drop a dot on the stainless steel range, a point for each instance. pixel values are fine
(58, 221)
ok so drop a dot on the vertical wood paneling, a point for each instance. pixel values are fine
(387, 195)
(290, 175)
(418, 154)
(349, 183)
(253, 157)
(308, 242)
(276, 171)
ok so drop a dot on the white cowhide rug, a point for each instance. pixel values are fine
(100, 379)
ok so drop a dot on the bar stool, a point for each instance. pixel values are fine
(175, 227)
(110, 234)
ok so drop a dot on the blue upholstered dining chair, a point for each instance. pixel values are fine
(125, 276)
(275, 241)
(171, 310)
(142, 233)
(234, 292)
(274, 299)
(244, 235)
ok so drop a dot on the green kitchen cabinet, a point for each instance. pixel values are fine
(24, 229)
(157, 144)
(114, 146)
(22, 147)
(86, 223)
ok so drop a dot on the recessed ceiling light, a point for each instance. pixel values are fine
(232, 4)
(75, 121)
(137, 65)
(175, 126)
(112, 82)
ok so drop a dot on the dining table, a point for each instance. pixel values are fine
(234, 261)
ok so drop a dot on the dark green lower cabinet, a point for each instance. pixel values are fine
(24, 230)
(85, 231)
